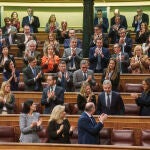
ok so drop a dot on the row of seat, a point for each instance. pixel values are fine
(108, 136)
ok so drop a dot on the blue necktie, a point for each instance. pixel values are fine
(108, 101)
(98, 67)
(85, 77)
(63, 80)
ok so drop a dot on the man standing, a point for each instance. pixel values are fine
(52, 95)
(88, 129)
(31, 20)
(33, 76)
(100, 20)
(110, 102)
(83, 75)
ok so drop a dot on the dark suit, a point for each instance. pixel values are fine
(35, 25)
(4, 43)
(51, 103)
(144, 102)
(30, 83)
(67, 84)
(140, 39)
(77, 58)
(78, 78)
(123, 64)
(128, 47)
(116, 106)
(145, 18)
(88, 130)
(67, 43)
(93, 60)
(123, 21)
(105, 24)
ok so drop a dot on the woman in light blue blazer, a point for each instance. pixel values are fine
(30, 123)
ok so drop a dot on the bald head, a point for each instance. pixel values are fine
(90, 108)
(116, 12)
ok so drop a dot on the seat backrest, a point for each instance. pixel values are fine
(130, 87)
(43, 135)
(131, 109)
(105, 136)
(74, 136)
(7, 134)
(145, 138)
(122, 137)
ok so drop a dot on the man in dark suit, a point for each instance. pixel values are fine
(101, 21)
(125, 41)
(32, 21)
(23, 39)
(83, 75)
(52, 95)
(139, 18)
(73, 55)
(98, 57)
(123, 21)
(33, 76)
(122, 58)
(88, 129)
(110, 102)
(65, 78)
(71, 33)
(98, 33)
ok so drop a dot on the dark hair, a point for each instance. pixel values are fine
(26, 106)
(31, 58)
(5, 46)
(62, 62)
(99, 26)
(147, 80)
(99, 10)
(6, 65)
(14, 12)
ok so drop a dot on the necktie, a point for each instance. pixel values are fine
(108, 101)
(34, 72)
(32, 54)
(63, 80)
(51, 89)
(98, 67)
(85, 77)
(72, 62)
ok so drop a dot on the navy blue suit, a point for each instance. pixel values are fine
(88, 130)
(35, 25)
(67, 43)
(116, 107)
(105, 24)
(93, 60)
(50, 104)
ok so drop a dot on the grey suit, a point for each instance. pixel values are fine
(78, 78)
(28, 134)
(77, 58)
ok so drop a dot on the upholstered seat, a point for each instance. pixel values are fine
(43, 135)
(131, 109)
(145, 138)
(74, 136)
(105, 136)
(7, 134)
(130, 87)
(122, 137)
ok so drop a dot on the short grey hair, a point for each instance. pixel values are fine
(31, 42)
(107, 82)
(83, 62)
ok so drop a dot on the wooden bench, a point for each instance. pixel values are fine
(135, 123)
(21, 146)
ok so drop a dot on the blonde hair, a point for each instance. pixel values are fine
(2, 91)
(56, 114)
(83, 88)
(138, 47)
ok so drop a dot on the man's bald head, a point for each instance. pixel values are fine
(90, 107)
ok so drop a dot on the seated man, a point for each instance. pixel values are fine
(33, 76)
(73, 55)
(24, 38)
(52, 95)
(31, 51)
(98, 33)
(71, 33)
(110, 102)
(98, 57)
(83, 75)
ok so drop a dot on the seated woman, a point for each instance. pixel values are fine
(144, 100)
(15, 20)
(50, 60)
(146, 47)
(7, 99)
(142, 35)
(86, 95)
(111, 73)
(52, 25)
(51, 41)
(30, 123)
(5, 56)
(62, 33)
(139, 63)
(59, 129)
(11, 74)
